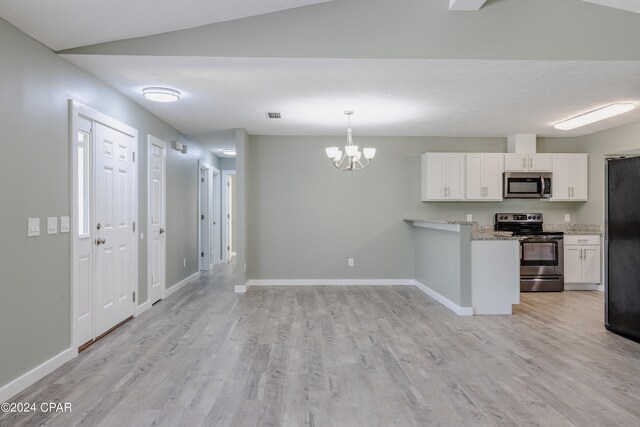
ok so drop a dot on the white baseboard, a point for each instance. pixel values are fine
(460, 311)
(331, 282)
(241, 289)
(19, 384)
(583, 287)
(181, 284)
(142, 308)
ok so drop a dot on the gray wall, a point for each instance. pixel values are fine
(307, 218)
(620, 140)
(227, 164)
(35, 173)
(443, 262)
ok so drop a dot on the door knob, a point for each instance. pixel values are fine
(162, 231)
(100, 241)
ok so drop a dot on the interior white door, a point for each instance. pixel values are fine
(205, 219)
(114, 253)
(157, 194)
(229, 218)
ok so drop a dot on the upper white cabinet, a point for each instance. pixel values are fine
(570, 177)
(443, 176)
(534, 162)
(484, 176)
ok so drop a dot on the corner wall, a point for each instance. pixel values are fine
(35, 87)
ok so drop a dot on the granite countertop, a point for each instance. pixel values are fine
(575, 229)
(440, 221)
(486, 232)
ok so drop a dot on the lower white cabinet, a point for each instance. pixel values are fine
(582, 259)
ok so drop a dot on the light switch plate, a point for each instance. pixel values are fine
(52, 225)
(469, 217)
(567, 218)
(64, 224)
(33, 227)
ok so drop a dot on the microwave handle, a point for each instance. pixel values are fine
(541, 186)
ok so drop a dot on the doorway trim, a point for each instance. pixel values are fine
(216, 230)
(225, 211)
(80, 110)
(152, 140)
(205, 208)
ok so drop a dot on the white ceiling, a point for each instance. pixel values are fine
(629, 5)
(74, 23)
(390, 97)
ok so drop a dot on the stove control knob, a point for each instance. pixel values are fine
(539, 217)
(529, 217)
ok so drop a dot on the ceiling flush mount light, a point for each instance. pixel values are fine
(229, 152)
(595, 116)
(161, 94)
(352, 160)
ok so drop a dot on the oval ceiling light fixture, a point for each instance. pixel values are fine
(161, 94)
(595, 116)
(229, 152)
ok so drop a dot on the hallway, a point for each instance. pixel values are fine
(346, 356)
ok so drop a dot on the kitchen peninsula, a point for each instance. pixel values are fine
(469, 269)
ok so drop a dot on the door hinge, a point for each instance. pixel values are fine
(228, 248)
(228, 216)
(201, 216)
(202, 180)
(228, 184)
(202, 254)
(134, 297)
(134, 226)
(134, 156)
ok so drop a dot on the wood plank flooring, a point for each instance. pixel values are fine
(347, 356)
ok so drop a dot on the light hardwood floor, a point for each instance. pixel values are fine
(347, 356)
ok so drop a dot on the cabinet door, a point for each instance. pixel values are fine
(433, 176)
(579, 176)
(475, 175)
(562, 177)
(591, 264)
(514, 162)
(455, 171)
(540, 162)
(572, 264)
(493, 168)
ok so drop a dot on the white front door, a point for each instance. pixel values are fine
(157, 239)
(114, 228)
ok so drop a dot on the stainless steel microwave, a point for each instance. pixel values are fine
(527, 185)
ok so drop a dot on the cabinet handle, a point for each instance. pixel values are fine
(530, 163)
(524, 163)
(572, 188)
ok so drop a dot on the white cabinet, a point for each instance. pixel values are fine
(570, 177)
(484, 176)
(443, 176)
(534, 162)
(582, 259)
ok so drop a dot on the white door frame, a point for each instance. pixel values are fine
(216, 252)
(79, 110)
(205, 206)
(225, 210)
(152, 140)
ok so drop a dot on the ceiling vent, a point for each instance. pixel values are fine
(274, 115)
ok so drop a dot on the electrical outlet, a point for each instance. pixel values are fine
(184, 262)
(469, 217)
(52, 225)
(351, 262)
(567, 218)
(33, 227)
(64, 224)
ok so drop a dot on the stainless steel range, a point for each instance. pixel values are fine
(541, 252)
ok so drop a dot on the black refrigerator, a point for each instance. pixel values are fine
(622, 247)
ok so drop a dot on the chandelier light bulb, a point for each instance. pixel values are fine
(354, 159)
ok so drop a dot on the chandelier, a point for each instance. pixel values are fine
(352, 160)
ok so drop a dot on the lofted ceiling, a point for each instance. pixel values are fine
(74, 23)
(628, 5)
(390, 97)
(407, 67)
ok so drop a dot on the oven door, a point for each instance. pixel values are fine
(541, 257)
